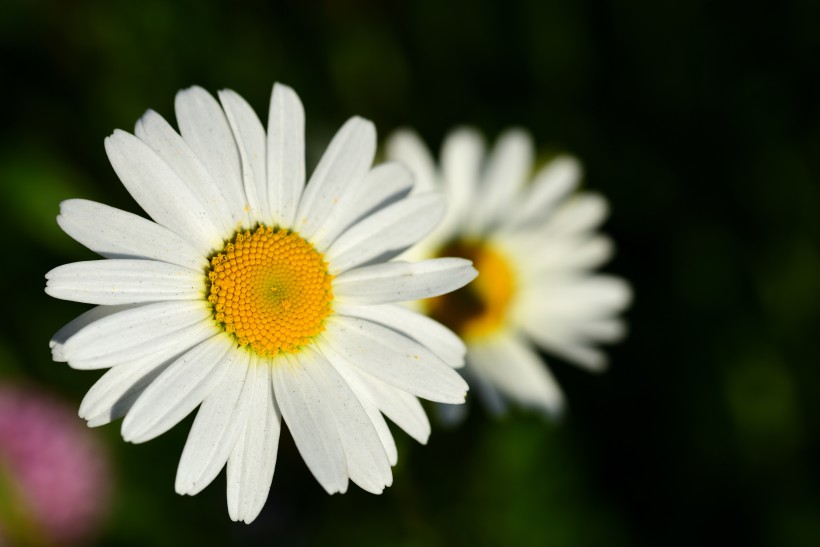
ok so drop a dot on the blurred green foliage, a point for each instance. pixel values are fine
(700, 121)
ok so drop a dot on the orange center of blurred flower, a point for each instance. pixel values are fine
(480, 308)
(270, 289)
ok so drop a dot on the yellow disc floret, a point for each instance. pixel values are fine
(271, 290)
(480, 308)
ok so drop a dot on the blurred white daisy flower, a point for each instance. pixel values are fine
(259, 297)
(534, 243)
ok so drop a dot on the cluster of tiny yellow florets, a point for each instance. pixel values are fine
(271, 290)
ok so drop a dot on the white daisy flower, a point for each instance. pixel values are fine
(534, 242)
(259, 297)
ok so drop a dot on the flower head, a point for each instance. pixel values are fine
(54, 475)
(534, 243)
(258, 297)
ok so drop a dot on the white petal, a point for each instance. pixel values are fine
(137, 332)
(286, 154)
(383, 185)
(336, 178)
(171, 147)
(592, 253)
(57, 342)
(574, 299)
(540, 252)
(394, 358)
(179, 389)
(387, 233)
(580, 214)
(367, 463)
(570, 342)
(436, 337)
(206, 130)
(362, 391)
(160, 192)
(406, 147)
(311, 422)
(113, 233)
(250, 139)
(124, 281)
(572, 349)
(582, 355)
(462, 154)
(252, 463)
(508, 166)
(217, 425)
(584, 255)
(603, 330)
(403, 409)
(116, 391)
(551, 184)
(518, 373)
(403, 281)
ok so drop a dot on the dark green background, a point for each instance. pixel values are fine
(699, 120)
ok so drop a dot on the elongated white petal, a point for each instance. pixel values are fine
(575, 299)
(160, 192)
(311, 422)
(518, 372)
(551, 184)
(252, 463)
(178, 390)
(556, 255)
(116, 391)
(217, 425)
(539, 255)
(578, 353)
(602, 330)
(429, 333)
(403, 281)
(206, 130)
(508, 166)
(362, 391)
(387, 233)
(113, 233)
(367, 463)
(233, 472)
(124, 281)
(251, 142)
(340, 171)
(462, 154)
(582, 213)
(134, 333)
(402, 408)
(286, 154)
(592, 253)
(394, 358)
(406, 147)
(171, 147)
(565, 340)
(384, 184)
(57, 342)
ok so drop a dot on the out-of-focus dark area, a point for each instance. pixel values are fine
(700, 121)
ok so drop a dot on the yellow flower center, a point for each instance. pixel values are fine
(271, 290)
(480, 308)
